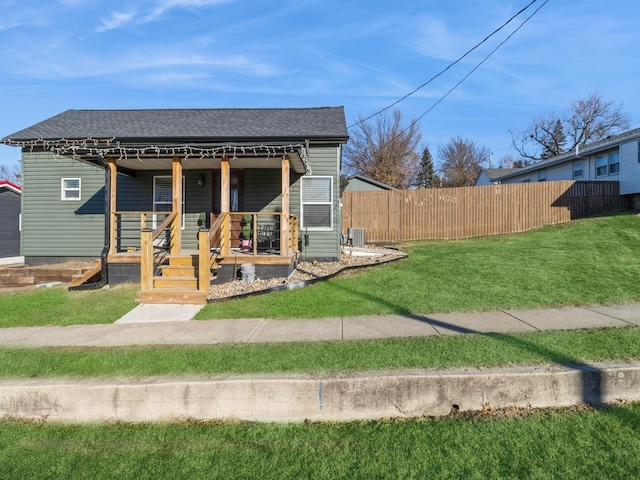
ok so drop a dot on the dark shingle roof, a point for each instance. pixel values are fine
(495, 173)
(231, 124)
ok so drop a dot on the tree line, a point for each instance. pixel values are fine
(388, 151)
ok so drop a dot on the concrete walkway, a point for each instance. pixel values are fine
(171, 325)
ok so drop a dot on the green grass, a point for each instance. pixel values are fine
(57, 306)
(593, 261)
(561, 347)
(560, 444)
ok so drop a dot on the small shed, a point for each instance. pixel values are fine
(9, 219)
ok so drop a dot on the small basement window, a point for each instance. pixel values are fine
(71, 189)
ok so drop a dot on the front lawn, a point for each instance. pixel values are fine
(592, 261)
(585, 262)
(57, 306)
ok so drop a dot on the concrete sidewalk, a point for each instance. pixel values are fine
(155, 329)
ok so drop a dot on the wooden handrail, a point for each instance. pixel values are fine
(217, 224)
(160, 228)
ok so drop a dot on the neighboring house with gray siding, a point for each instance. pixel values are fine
(10, 194)
(360, 183)
(91, 178)
(615, 159)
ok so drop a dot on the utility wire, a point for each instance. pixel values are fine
(448, 67)
(380, 147)
(478, 65)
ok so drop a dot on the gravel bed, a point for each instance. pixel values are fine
(306, 271)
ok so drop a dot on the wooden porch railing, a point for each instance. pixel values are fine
(154, 253)
(126, 227)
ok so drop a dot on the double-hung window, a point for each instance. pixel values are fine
(614, 163)
(607, 164)
(601, 166)
(316, 198)
(577, 171)
(71, 189)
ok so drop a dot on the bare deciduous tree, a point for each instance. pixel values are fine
(587, 121)
(461, 161)
(10, 173)
(384, 150)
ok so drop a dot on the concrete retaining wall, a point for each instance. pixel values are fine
(326, 398)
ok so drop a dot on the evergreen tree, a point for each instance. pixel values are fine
(427, 177)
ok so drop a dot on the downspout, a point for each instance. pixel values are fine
(105, 249)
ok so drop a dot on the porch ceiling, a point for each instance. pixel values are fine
(197, 163)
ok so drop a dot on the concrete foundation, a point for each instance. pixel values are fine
(294, 398)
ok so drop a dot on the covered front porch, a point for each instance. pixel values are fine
(176, 263)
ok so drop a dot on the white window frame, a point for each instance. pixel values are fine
(573, 169)
(155, 221)
(65, 190)
(328, 202)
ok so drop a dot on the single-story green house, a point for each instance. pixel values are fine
(171, 197)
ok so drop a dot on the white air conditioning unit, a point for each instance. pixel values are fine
(356, 237)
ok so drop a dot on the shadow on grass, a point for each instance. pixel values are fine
(591, 376)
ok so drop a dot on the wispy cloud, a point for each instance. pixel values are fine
(116, 20)
(163, 6)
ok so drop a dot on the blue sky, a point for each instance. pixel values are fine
(91, 54)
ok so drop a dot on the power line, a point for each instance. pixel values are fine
(450, 65)
(411, 125)
(479, 64)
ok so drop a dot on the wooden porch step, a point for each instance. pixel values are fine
(184, 260)
(176, 283)
(91, 274)
(178, 270)
(172, 296)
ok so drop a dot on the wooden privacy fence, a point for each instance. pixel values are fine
(448, 213)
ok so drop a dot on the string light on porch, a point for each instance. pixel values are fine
(109, 147)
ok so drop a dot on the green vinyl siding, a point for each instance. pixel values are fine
(52, 227)
(324, 161)
(136, 194)
(263, 188)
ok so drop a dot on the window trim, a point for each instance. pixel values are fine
(329, 203)
(542, 175)
(64, 190)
